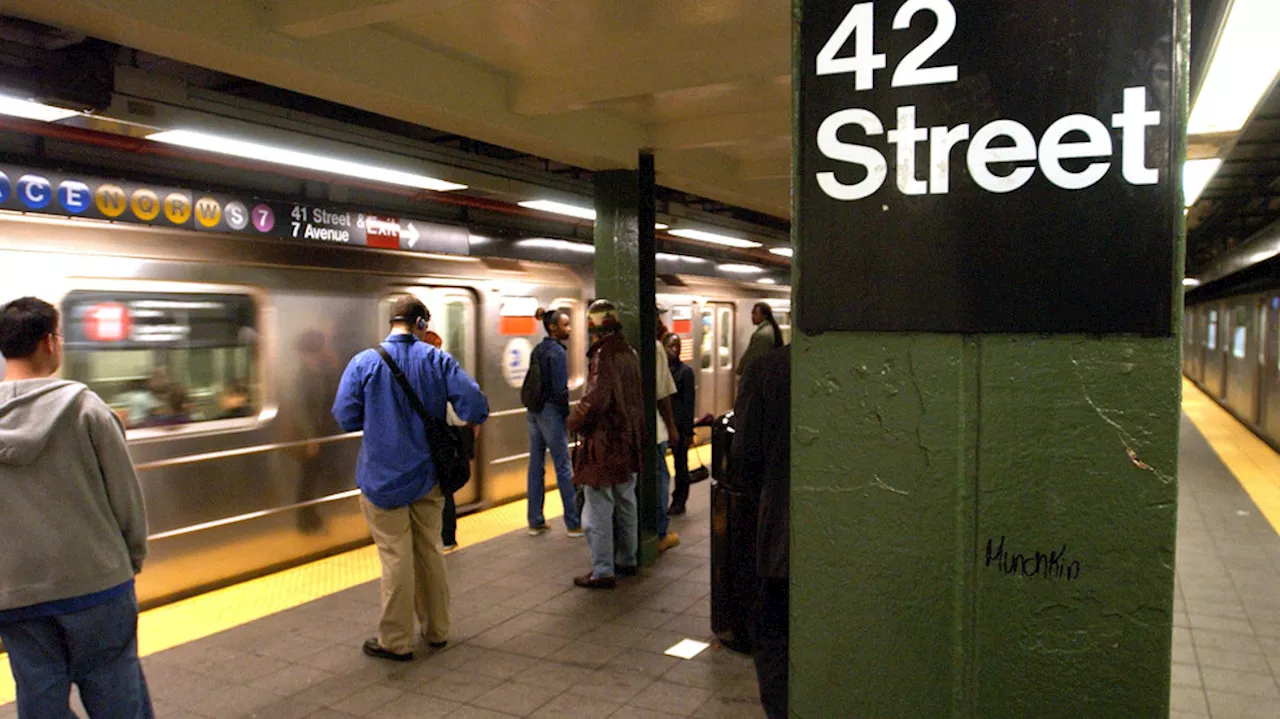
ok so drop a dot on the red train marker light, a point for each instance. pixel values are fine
(107, 322)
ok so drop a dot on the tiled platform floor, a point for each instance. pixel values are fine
(527, 643)
(1226, 636)
(524, 642)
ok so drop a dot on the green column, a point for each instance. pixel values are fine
(624, 273)
(914, 453)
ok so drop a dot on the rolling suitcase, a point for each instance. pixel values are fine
(733, 545)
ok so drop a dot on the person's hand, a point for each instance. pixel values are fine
(313, 450)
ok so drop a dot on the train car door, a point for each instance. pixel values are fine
(1269, 421)
(716, 358)
(1214, 364)
(453, 317)
(1262, 333)
(1197, 344)
(1241, 365)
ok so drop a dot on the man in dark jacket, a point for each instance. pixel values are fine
(762, 452)
(547, 428)
(610, 422)
(682, 408)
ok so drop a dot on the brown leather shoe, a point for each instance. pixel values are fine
(591, 582)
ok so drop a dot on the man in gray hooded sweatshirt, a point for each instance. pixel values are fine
(72, 519)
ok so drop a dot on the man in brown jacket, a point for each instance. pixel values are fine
(610, 422)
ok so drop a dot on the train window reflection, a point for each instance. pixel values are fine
(1238, 343)
(726, 338)
(1213, 329)
(577, 339)
(164, 359)
(452, 314)
(1262, 333)
(708, 338)
(1239, 334)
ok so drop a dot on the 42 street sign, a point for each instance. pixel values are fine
(988, 166)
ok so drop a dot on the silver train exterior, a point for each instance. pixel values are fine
(1231, 349)
(238, 486)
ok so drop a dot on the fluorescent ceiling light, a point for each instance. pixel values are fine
(1263, 256)
(678, 258)
(1243, 67)
(741, 269)
(1195, 177)
(26, 109)
(1190, 282)
(304, 160)
(714, 238)
(767, 281)
(544, 243)
(782, 251)
(560, 208)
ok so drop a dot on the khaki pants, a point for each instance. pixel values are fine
(414, 582)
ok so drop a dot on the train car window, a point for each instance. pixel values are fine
(452, 326)
(708, 337)
(784, 324)
(1213, 329)
(452, 316)
(1239, 334)
(726, 338)
(577, 339)
(680, 322)
(1262, 333)
(165, 359)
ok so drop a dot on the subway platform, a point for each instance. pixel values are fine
(526, 643)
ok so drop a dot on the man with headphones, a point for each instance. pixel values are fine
(400, 496)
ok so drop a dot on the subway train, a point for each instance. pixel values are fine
(1231, 350)
(222, 355)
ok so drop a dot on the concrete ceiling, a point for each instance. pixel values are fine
(705, 84)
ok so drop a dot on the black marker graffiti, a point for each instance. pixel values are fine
(1050, 566)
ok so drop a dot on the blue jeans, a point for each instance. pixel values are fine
(96, 649)
(611, 523)
(546, 431)
(664, 489)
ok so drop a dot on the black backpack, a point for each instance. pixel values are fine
(531, 395)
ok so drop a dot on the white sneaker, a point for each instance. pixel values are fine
(575, 533)
(535, 531)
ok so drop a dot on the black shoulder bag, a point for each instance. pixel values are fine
(448, 453)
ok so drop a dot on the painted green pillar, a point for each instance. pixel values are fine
(983, 525)
(624, 270)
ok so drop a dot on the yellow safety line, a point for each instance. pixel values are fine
(1254, 463)
(204, 615)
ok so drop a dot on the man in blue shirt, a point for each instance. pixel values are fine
(546, 426)
(401, 499)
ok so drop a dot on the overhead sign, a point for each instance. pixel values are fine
(987, 166)
(55, 193)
